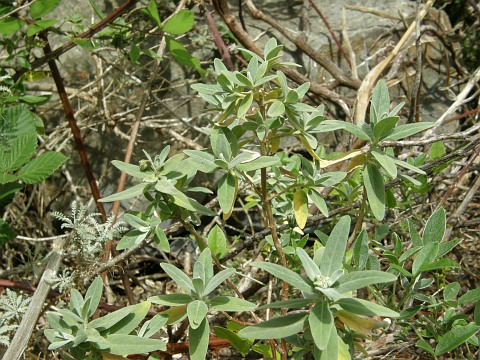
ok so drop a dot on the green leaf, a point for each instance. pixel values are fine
(123, 344)
(331, 125)
(244, 105)
(197, 312)
(451, 291)
(152, 11)
(380, 99)
(406, 130)
(16, 121)
(333, 349)
(181, 55)
(276, 328)
(205, 259)
(359, 279)
(285, 274)
(180, 23)
(311, 269)
(122, 321)
(408, 166)
(199, 337)
(374, 185)
(179, 277)
(469, 297)
(40, 8)
(204, 161)
(171, 299)
(41, 167)
(425, 257)
(161, 239)
(228, 303)
(134, 191)
(217, 241)
(364, 307)
(218, 279)
(227, 190)
(321, 322)
(259, 163)
(131, 238)
(455, 337)
(386, 162)
(287, 304)
(10, 25)
(18, 153)
(130, 169)
(152, 326)
(6, 233)
(334, 252)
(241, 345)
(318, 201)
(360, 250)
(384, 127)
(435, 227)
(300, 207)
(277, 108)
(94, 292)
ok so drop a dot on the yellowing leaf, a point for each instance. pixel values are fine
(346, 156)
(357, 323)
(300, 206)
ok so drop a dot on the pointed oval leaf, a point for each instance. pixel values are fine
(359, 279)
(455, 337)
(228, 303)
(198, 344)
(124, 344)
(335, 249)
(227, 191)
(364, 307)
(311, 269)
(435, 227)
(218, 279)
(321, 321)
(276, 328)
(180, 23)
(386, 162)
(179, 277)
(406, 130)
(374, 185)
(171, 299)
(197, 311)
(284, 274)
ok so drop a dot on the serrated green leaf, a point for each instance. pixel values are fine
(276, 328)
(321, 322)
(334, 252)
(374, 185)
(152, 11)
(18, 153)
(180, 23)
(41, 167)
(10, 25)
(41, 8)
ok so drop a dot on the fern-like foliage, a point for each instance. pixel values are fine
(12, 308)
(88, 236)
